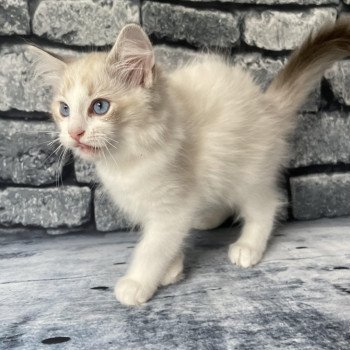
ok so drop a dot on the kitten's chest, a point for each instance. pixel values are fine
(132, 191)
(122, 185)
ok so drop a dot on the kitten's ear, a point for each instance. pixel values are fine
(47, 66)
(132, 57)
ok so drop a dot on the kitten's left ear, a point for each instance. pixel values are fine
(132, 57)
(47, 66)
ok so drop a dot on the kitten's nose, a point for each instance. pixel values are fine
(76, 134)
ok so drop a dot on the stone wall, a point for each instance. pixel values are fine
(40, 188)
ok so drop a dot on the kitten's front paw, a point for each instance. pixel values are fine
(244, 255)
(131, 292)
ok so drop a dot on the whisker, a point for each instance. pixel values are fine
(49, 142)
(53, 141)
(102, 147)
(111, 144)
(46, 143)
(60, 167)
(106, 137)
(35, 132)
(52, 153)
(115, 162)
(109, 138)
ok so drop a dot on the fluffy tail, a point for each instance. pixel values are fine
(307, 64)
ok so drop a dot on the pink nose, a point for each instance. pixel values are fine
(76, 134)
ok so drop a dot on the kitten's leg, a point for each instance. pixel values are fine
(258, 218)
(174, 272)
(211, 218)
(159, 247)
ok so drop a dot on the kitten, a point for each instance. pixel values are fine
(187, 149)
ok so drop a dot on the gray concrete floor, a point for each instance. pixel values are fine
(56, 292)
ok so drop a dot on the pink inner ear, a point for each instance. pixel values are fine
(133, 57)
(133, 69)
(136, 62)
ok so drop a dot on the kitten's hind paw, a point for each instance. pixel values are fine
(131, 292)
(243, 255)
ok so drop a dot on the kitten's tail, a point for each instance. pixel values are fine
(307, 64)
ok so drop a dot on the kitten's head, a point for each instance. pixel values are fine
(107, 103)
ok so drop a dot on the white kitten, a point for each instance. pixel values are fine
(184, 150)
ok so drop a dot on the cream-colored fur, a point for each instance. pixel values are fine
(177, 151)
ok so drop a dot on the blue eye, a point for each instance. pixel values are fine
(64, 109)
(100, 106)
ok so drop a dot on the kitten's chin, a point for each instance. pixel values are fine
(89, 154)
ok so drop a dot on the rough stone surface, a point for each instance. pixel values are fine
(283, 213)
(339, 78)
(107, 216)
(264, 69)
(84, 171)
(197, 27)
(321, 195)
(14, 17)
(172, 57)
(323, 138)
(27, 153)
(284, 30)
(66, 206)
(23, 91)
(84, 22)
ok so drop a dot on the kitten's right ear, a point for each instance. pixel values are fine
(47, 66)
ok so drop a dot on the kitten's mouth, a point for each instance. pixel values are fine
(91, 150)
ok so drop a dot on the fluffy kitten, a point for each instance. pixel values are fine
(187, 149)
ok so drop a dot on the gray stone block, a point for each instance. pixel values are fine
(264, 69)
(27, 153)
(286, 30)
(198, 27)
(172, 57)
(323, 138)
(321, 195)
(339, 78)
(65, 230)
(84, 22)
(23, 91)
(313, 102)
(66, 206)
(84, 171)
(14, 17)
(283, 212)
(107, 216)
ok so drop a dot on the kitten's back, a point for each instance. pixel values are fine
(210, 86)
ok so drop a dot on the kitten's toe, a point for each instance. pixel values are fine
(174, 273)
(244, 255)
(131, 292)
